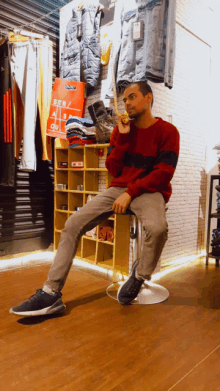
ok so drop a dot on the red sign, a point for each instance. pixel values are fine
(67, 101)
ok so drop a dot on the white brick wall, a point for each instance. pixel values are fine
(187, 106)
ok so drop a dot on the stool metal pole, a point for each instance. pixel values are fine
(150, 293)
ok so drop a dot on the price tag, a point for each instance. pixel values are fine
(137, 31)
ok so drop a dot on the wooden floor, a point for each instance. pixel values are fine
(100, 345)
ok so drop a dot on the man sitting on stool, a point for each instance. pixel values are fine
(142, 158)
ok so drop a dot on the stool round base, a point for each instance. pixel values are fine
(150, 293)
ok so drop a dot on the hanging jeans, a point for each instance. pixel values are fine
(7, 160)
(31, 64)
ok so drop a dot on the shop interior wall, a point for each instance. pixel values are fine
(26, 211)
(183, 105)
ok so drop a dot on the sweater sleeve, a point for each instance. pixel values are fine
(118, 146)
(159, 178)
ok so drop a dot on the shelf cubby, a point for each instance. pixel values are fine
(61, 198)
(61, 156)
(75, 178)
(61, 177)
(89, 248)
(60, 220)
(76, 154)
(91, 181)
(75, 200)
(105, 255)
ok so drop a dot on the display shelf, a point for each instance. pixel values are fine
(89, 237)
(110, 255)
(210, 216)
(62, 211)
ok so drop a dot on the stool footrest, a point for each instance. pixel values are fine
(150, 293)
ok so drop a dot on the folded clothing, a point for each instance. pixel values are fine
(76, 138)
(215, 241)
(80, 128)
(88, 123)
(83, 137)
(80, 141)
(215, 233)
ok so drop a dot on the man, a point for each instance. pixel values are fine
(142, 158)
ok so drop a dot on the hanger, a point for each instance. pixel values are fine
(31, 34)
(80, 6)
(16, 37)
(101, 7)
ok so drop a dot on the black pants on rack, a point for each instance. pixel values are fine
(7, 160)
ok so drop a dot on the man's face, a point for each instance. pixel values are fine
(135, 103)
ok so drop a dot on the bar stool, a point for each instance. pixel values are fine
(150, 292)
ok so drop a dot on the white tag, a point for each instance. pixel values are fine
(136, 30)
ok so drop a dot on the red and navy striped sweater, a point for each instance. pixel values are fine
(144, 160)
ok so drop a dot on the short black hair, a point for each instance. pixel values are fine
(144, 87)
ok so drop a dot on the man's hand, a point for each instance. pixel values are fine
(123, 128)
(121, 203)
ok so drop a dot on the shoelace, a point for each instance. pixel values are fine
(37, 293)
(134, 285)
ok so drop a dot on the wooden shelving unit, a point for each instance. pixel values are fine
(110, 255)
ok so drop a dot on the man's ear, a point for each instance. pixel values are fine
(149, 98)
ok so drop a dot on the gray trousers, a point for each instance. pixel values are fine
(149, 208)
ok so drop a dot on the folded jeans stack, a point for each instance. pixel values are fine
(80, 131)
(215, 243)
(103, 122)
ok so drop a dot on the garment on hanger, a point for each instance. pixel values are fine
(31, 64)
(7, 160)
(80, 58)
(143, 36)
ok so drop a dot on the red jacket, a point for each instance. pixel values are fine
(144, 160)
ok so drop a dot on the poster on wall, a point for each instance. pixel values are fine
(67, 101)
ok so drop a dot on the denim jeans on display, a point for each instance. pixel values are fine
(150, 58)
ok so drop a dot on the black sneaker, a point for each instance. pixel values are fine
(130, 289)
(41, 303)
